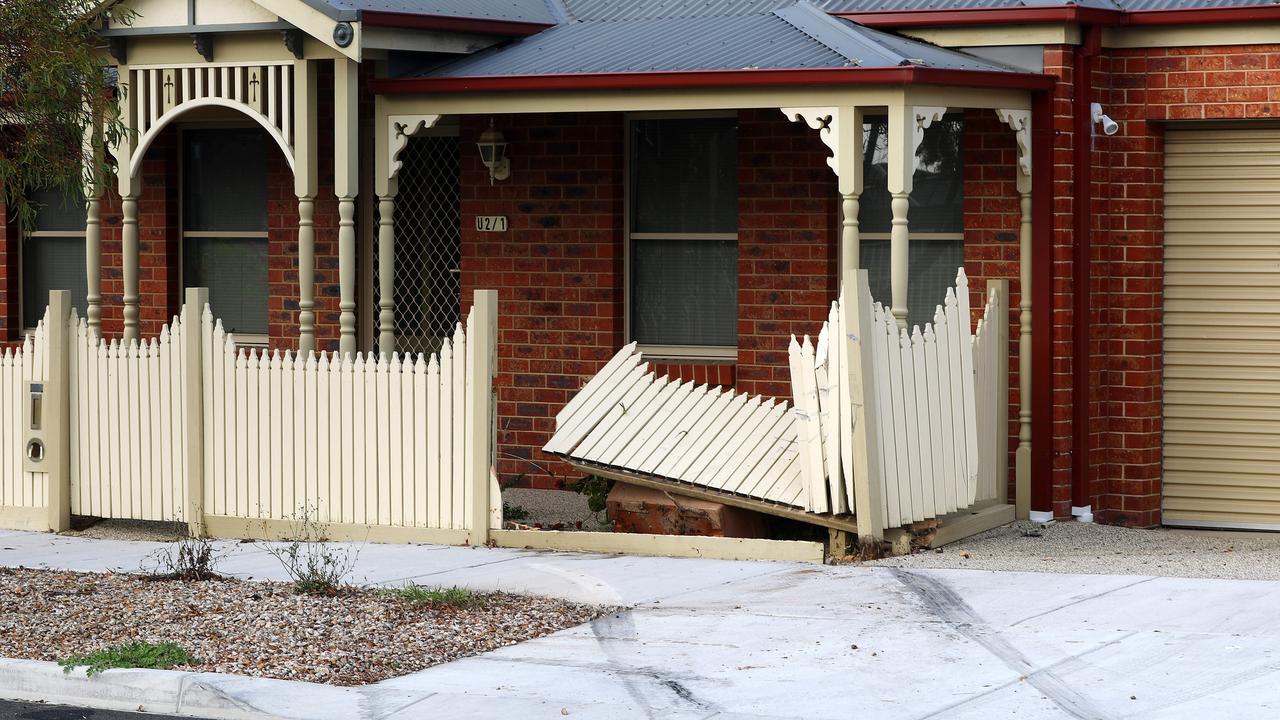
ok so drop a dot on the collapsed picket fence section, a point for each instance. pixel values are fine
(889, 425)
(191, 427)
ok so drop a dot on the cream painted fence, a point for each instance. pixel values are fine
(922, 414)
(241, 442)
(889, 426)
(22, 492)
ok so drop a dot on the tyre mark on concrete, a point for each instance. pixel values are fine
(949, 607)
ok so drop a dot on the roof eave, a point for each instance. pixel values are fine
(449, 23)
(675, 80)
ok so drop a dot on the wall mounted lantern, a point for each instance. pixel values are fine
(493, 153)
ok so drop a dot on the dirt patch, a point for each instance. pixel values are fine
(355, 637)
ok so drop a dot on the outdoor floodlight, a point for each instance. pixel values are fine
(1109, 126)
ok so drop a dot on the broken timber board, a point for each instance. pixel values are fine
(843, 522)
(971, 521)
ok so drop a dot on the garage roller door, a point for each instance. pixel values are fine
(1222, 328)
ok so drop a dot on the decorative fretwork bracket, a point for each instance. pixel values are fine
(1020, 122)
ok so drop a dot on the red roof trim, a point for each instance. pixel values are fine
(983, 16)
(906, 75)
(410, 21)
(1090, 16)
(1203, 16)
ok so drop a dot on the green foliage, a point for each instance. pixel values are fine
(187, 559)
(514, 512)
(595, 488)
(136, 654)
(455, 597)
(54, 81)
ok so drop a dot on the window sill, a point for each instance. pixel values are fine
(689, 353)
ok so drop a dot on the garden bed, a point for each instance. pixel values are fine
(349, 637)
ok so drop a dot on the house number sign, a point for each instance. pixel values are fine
(491, 223)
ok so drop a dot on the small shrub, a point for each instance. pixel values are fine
(455, 597)
(315, 567)
(595, 488)
(514, 512)
(187, 559)
(136, 654)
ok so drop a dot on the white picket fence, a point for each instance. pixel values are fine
(189, 423)
(19, 488)
(128, 425)
(929, 438)
(365, 440)
(888, 425)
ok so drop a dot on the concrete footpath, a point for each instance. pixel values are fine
(752, 641)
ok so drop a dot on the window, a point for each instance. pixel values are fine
(53, 254)
(936, 216)
(683, 235)
(224, 224)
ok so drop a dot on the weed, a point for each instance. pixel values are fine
(187, 559)
(514, 512)
(136, 654)
(315, 567)
(595, 488)
(454, 597)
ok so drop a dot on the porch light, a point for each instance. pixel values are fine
(493, 153)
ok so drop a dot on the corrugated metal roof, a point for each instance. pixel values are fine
(795, 37)
(530, 11)
(604, 10)
(1142, 5)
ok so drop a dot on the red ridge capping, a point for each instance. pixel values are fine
(904, 75)
(983, 16)
(1069, 14)
(411, 21)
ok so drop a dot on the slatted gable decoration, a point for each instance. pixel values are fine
(916, 388)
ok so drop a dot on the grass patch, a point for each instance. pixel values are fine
(455, 597)
(135, 654)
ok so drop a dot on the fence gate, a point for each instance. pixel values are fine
(428, 243)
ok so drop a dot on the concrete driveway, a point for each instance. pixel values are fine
(713, 639)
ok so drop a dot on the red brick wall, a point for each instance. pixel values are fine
(558, 271)
(787, 244)
(992, 219)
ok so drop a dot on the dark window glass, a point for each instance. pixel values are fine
(225, 191)
(684, 292)
(56, 212)
(684, 180)
(235, 271)
(684, 176)
(53, 254)
(225, 187)
(937, 194)
(933, 265)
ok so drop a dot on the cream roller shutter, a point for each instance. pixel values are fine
(1222, 328)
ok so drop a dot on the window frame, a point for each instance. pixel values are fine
(245, 339)
(24, 236)
(716, 353)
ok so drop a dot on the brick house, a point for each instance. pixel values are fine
(661, 158)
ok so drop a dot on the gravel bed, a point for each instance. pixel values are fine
(127, 530)
(264, 629)
(556, 509)
(1086, 548)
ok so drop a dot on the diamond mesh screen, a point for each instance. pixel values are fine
(428, 223)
